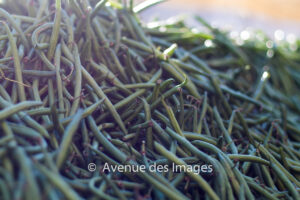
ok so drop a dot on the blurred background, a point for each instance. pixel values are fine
(270, 16)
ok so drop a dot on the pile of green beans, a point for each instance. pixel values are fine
(86, 82)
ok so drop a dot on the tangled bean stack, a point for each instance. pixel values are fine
(85, 82)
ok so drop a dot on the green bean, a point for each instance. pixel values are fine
(26, 166)
(228, 166)
(259, 88)
(87, 111)
(132, 69)
(104, 70)
(269, 156)
(36, 32)
(100, 137)
(5, 139)
(146, 4)
(259, 189)
(267, 177)
(179, 75)
(98, 6)
(168, 93)
(67, 20)
(225, 132)
(149, 135)
(21, 90)
(58, 78)
(117, 63)
(59, 182)
(203, 112)
(248, 158)
(41, 9)
(99, 32)
(98, 192)
(122, 158)
(202, 183)
(37, 97)
(3, 60)
(201, 155)
(114, 187)
(7, 112)
(78, 78)
(55, 30)
(41, 111)
(240, 95)
(172, 118)
(4, 190)
(123, 145)
(51, 93)
(35, 73)
(140, 33)
(196, 136)
(107, 102)
(56, 120)
(8, 17)
(286, 181)
(125, 101)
